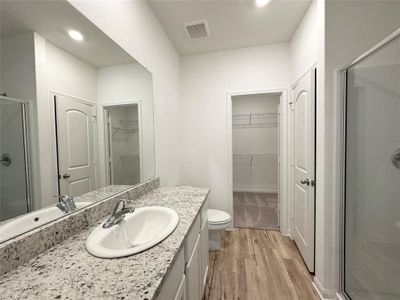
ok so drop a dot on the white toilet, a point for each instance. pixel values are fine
(218, 220)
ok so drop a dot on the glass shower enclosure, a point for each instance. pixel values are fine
(371, 191)
(14, 165)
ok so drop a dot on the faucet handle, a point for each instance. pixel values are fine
(123, 201)
(63, 198)
(68, 202)
(61, 206)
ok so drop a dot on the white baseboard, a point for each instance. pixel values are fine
(322, 292)
(250, 190)
(286, 233)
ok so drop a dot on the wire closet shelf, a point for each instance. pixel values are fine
(126, 128)
(254, 120)
(254, 159)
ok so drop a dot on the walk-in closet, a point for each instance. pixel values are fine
(124, 144)
(255, 148)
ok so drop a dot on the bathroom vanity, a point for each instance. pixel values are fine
(174, 269)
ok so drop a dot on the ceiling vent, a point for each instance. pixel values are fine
(197, 29)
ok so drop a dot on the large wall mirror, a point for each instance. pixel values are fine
(76, 114)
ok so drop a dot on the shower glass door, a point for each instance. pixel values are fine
(14, 192)
(371, 266)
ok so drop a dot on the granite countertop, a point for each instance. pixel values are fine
(68, 271)
(93, 196)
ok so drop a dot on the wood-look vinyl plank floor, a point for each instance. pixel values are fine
(256, 265)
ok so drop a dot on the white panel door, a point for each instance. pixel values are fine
(75, 149)
(304, 167)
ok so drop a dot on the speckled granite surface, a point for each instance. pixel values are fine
(102, 193)
(68, 271)
(24, 247)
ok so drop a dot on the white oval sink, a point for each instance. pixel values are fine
(139, 231)
(32, 220)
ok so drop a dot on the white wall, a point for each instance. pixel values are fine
(352, 27)
(304, 45)
(140, 34)
(206, 80)
(121, 84)
(69, 75)
(258, 173)
(17, 67)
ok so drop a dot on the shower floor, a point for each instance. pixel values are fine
(255, 210)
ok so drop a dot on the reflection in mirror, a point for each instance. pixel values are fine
(123, 145)
(14, 189)
(76, 115)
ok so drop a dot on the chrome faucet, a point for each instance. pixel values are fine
(118, 214)
(66, 203)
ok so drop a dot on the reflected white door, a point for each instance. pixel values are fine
(304, 167)
(75, 146)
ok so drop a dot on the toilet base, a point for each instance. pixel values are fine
(215, 240)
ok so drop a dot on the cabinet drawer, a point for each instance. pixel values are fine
(174, 278)
(192, 238)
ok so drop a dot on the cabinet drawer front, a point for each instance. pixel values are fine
(174, 278)
(192, 238)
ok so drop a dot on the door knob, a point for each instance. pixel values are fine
(5, 159)
(396, 158)
(302, 181)
(65, 176)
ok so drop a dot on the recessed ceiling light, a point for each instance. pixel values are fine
(261, 3)
(75, 35)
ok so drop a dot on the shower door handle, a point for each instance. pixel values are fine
(302, 181)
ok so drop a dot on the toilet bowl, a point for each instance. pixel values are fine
(218, 220)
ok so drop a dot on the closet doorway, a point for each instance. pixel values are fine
(123, 143)
(255, 160)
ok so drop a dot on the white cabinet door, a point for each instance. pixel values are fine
(181, 293)
(172, 284)
(204, 255)
(193, 273)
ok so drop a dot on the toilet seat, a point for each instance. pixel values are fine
(218, 219)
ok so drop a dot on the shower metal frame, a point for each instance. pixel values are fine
(343, 72)
(27, 151)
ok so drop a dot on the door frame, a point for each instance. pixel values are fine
(283, 169)
(54, 154)
(104, 107)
